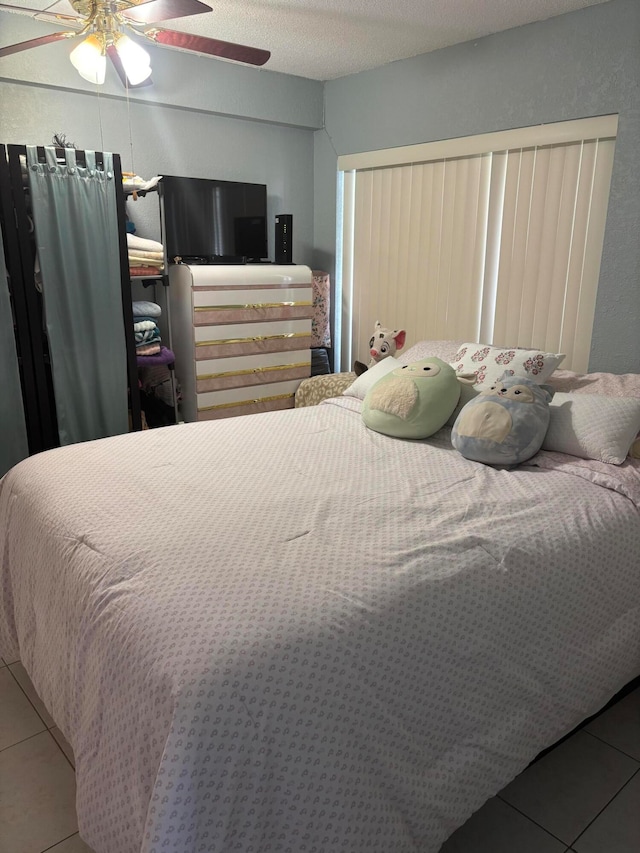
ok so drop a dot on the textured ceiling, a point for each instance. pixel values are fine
(324, 39)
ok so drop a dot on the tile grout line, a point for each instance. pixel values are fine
(28, 700)
(562, 841)
(46, 727)
(73, 767)
(633, 775)
(617, 748)
(73, 835)
(25, 739)
(535, 822)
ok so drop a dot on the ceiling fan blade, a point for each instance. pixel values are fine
(213, 47)
(27, 45)
(112, 53)
(154, 11)
(41, 14)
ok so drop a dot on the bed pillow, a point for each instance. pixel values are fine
(592, 426)
(368, 379)
(445, 350)
(490, 363)
(608, 384)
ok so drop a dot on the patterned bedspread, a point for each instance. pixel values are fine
(284, 632)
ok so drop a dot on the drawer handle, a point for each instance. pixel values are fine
(246, 402)
(253, 305)
(254, 338)
(254, 370)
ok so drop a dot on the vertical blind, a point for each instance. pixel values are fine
(499, 242)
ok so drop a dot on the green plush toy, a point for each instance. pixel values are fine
(415, 400)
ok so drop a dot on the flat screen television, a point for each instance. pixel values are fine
(210, 221)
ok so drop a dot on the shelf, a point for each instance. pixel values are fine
(151, 280)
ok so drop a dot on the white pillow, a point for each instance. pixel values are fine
(592, 426)
(369, 378)
(445, 350)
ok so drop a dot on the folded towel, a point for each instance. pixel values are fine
(135, 242)
(144, 325)
(135, 261)
(148, 349)
(145, 253)
(149, 336)
(146, 309)
(147, 272)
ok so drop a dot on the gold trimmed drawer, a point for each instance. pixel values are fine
(224, 403)
(252, 304)
(272, 404)
(220, 341)
(251, 369)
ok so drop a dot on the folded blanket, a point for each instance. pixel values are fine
(135, 261)
(144, 271)
(144, 324)
(146, 309)
(165, 356)
(148, 349)
(143, 253)
(135, 242)
(148, 336)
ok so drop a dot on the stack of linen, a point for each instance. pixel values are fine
(146, 257)
(145, 328)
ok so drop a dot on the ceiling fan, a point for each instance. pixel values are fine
(105, 24)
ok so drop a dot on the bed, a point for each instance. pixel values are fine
(285, 632)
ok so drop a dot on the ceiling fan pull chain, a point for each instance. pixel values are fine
(100, 117)
(129, 120)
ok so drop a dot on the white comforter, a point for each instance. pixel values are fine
(285, 632)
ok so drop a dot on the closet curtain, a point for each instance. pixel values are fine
(13, 446)
(77, 242)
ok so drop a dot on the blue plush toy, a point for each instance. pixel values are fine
(504, 425)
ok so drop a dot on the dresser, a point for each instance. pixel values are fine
(241, 336)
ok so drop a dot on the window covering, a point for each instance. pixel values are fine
(501, 246)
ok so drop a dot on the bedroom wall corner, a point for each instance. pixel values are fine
(581, 64)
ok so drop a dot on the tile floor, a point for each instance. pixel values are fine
(581, 797)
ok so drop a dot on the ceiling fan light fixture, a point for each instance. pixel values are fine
(135, 59)
(89, 60)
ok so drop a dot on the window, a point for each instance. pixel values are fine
(494, 238)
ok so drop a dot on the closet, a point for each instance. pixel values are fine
(67, 325)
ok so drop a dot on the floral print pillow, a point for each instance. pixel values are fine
(489, 362)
